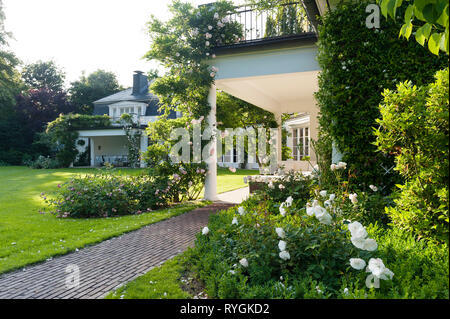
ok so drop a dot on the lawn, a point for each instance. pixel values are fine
(26, 236)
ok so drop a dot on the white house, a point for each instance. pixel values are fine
(277, 71)
(110, 144)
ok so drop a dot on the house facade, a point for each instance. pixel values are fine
(276, 71)
(109, 145)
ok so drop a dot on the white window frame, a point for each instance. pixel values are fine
(301, 136)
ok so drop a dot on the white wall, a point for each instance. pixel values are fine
(110, 145)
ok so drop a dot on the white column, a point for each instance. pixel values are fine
(211, 174)
(144, 146)
(279, 138)
(92, 151)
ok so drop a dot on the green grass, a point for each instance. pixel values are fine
(27, 236)
(162, 282)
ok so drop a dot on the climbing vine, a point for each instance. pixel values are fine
(133, 139)
(64, 132)
(184, 45)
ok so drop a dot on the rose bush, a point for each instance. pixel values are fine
(104, 194)
(313, 248)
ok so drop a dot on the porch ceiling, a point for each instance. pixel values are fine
(277, 93)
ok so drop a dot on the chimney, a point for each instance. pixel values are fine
(140, 83)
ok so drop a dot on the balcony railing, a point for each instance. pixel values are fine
(287, 20)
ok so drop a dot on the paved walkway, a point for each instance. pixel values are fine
(236, 197)
(105, 266)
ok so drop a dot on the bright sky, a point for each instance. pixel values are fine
(85, 34)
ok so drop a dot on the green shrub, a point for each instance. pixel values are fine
(415, 128)
(357, 64)
(104, 195)
(43, 162)
(268, 249)
(293, 184)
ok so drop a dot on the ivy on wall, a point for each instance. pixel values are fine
(357, 65)
(64, 131)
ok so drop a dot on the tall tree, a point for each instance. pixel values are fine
(10, 86)
(44, 75)
(39, 107)
(91, 88)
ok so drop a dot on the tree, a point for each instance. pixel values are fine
(44, 75)
(39, 107)
(10, 86)
(430, 17)
(91, 88)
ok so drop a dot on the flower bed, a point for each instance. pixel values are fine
(315, 247)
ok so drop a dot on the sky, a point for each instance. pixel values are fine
(85, 35)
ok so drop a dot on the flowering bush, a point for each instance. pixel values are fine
(300, 248)
(104, 195)
(185, 46)
(278, 188)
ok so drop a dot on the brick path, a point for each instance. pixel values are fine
(110, 263)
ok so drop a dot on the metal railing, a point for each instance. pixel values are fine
(286, 20)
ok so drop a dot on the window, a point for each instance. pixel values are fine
(300, 143)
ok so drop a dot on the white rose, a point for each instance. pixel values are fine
(282, 210)
(376, 267)
(333, 167)
(342, 165)
(370, 244)
(244, 262)
(358, 242)
(205, 230)
(282, 245)
(216, 15)
(309, 210)
(325, 219)
(285, 255)
(241, 210)
(289, 201)
(332, 197)
(373, 187)
(357, 230)
(234, 221)
(353, 198)
(357, 263)
(323, 193)
(210, 27)
(280, 232)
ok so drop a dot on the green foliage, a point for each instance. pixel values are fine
(292, 184)
(354, 74)
(415, 128)
(43, 162)
(11, 132)
(161, 282)
(186, 179)
(104, 194)
(95, 86)
(133, 139)
(63, 132)
(318, 266)
(184, 45)
(431, 17)
(44, 75)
